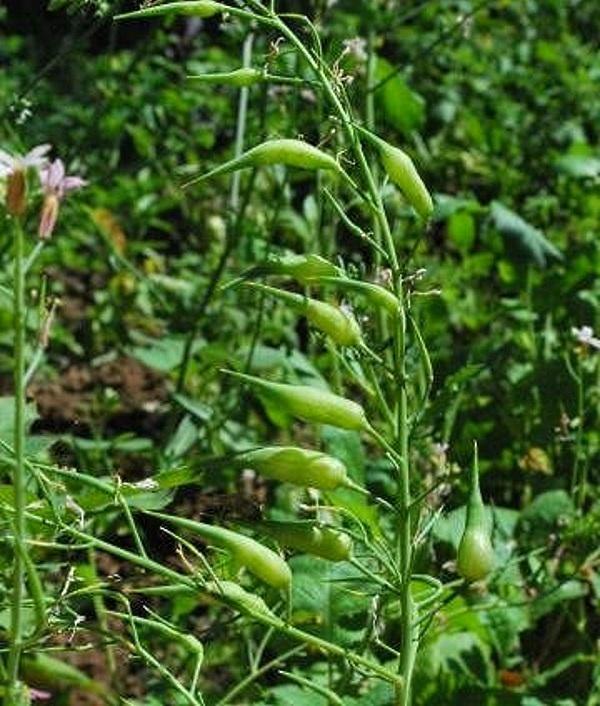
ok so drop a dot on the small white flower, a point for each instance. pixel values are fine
(145, 484)
(585, 336)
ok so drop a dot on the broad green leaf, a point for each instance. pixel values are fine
(323, 602)
(579, 166)
(544, 515)
(523, 240)
(402, 108)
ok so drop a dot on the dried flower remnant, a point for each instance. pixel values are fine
(14, 167)
(585, 336)
(56, 184)
(356, 48)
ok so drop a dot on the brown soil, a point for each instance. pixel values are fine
(78, 397)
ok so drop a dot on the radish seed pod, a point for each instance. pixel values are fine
(310, 538)
(258, 559)
(303, 467)
(236, 596)
(376, 294)
(197, 8)
(239, 78)
(310, 404)
(339, 325)
(475, 557)
(291, 153)
(401, 170)
(302, 268)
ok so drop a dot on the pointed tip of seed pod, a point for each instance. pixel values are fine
(351, 485)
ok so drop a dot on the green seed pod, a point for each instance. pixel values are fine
(401, 170)
(310, 404)
(475, 552)
(340, 326)
(237, 597)
(303, 467)
(44, 671)
(377, 295)
(302, 268)
(292, 153)
(197, 8)
(309, 538)
(238, 78)
(258, 559)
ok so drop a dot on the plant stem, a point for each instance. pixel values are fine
(19, 479)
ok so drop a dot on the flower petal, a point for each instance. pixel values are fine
(70, 183)
(37, 156)
(7, 160)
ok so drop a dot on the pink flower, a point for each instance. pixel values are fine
(55, 181)
(37, 695)
(56, 185)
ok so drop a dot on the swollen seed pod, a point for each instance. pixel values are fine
(339, 325)
(302, 268)
(197, 8)
(309, 538)
(237, 597)
(475, 552)
(258, 559)
(238, 78)
(303, 467)
(310, 404)
(377, 295)
(45, 671)
(292, 153)
(401, 170)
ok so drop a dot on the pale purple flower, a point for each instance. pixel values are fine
(56, 182)
(36, 158)
(38, 695)
(585, 336)
(56, 185)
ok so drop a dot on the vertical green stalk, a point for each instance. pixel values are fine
(409, 642)
(19, 479)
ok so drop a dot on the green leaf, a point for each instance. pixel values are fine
(402, 108)
(324, 604)
(544, 515)
(164, 354)
(579, 166)
(461, 230)
(527, 243)
(7, 418)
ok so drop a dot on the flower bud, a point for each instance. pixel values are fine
(16, 193)
(49, 216)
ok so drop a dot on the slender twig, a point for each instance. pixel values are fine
(19, 472)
